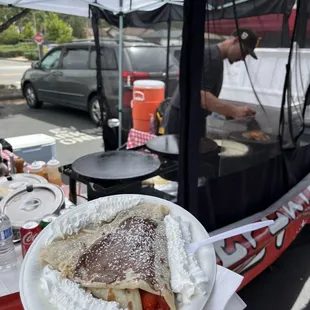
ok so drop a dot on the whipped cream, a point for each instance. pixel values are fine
(99, 210)
(187, 278)
(64, 294)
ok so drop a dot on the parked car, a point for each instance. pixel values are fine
(175, 51)
(67, 75)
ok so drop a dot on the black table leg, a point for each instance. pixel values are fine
(72, 191)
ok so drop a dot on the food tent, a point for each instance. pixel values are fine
(194, 27)
(137, 13)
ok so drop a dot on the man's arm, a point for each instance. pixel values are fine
(212, 104)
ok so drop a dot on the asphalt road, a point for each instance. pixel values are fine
(284, 286)
(12, 71)
(75, 134)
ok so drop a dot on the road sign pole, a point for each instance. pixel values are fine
(40, 50)
(39, 39)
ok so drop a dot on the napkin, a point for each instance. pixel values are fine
(223, 296)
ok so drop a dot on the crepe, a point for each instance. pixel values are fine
(126, 255)
(63, 255)
(256, 135)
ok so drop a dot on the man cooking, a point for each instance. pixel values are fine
(212, 80)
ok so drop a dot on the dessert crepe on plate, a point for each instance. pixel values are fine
(125, 260)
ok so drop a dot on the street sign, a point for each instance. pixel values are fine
(38, 38)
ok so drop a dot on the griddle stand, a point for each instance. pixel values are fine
(117, 187)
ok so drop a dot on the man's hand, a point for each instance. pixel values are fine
(243, 111)
(212, 104)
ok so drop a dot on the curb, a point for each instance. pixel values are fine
(11, 95)
(19, 60)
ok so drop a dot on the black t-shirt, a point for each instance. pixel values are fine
(212, 74)
(211, 81)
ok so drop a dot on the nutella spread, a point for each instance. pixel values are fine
(130, 249)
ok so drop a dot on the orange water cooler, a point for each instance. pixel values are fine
(147, 96)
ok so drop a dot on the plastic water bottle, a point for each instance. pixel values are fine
(7, 251)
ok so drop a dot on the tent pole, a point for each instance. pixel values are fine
(168, 52)
(120, 75)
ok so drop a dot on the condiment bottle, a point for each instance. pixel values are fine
(3, 167)
(54, 175)
(36, 168)
(44, 167)
(19, 165)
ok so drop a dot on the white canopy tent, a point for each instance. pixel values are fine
(80, 7)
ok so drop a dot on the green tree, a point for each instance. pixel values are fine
(10, 35)
(77, 23)
(57, 30)
(28, 31)
(10, 16)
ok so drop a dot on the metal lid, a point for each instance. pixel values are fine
(32, 202)
(14, 182)
(149, 84)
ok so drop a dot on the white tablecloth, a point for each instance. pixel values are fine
(223, 296)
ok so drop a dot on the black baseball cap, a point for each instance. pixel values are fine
(248, 38)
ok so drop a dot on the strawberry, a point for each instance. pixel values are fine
(162, 305)
(149, 300)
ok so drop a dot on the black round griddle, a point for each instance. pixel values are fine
(237, 136)
(116, 166)
(168, 146)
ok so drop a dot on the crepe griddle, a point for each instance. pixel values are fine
(168, 146)
(237, 136)
(116, 166)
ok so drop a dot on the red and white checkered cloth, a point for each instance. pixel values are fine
(137, 138)
(6, 155)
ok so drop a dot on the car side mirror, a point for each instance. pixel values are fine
(35, 65)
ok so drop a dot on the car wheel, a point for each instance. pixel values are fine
(31, 97)
(94, 109)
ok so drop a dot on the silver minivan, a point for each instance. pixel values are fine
(67, 75)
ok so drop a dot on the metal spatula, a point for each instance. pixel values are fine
(250, 122)
(253, 124)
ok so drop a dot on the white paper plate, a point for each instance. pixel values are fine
(32, 296)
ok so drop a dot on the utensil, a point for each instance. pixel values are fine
(193, 247)
(253, 124)
(12, 164)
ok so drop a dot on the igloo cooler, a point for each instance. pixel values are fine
(34, 147)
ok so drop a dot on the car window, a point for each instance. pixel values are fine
(108, 59)
(75, 59)
(51, 61)
(150, 59)
(177, 54)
